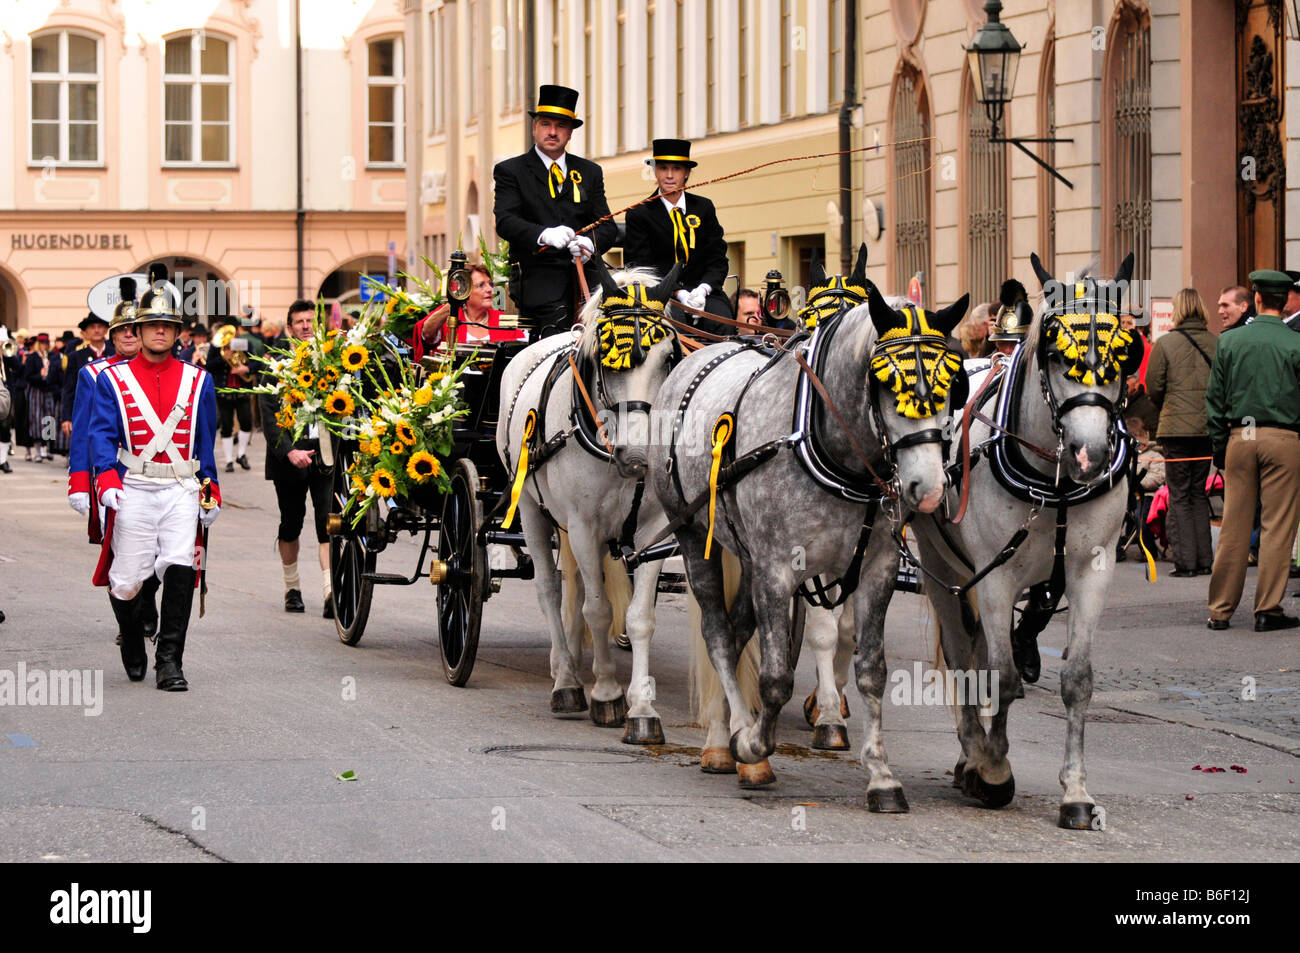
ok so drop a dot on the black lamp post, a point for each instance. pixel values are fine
(994, 57)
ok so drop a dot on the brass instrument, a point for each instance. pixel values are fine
(201, 354)
(225, 334)
(8, 347)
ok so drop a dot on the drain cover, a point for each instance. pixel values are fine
(564, 754)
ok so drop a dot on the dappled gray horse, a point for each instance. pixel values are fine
(786, 469)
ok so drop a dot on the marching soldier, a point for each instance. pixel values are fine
(1253, 408)
(124, 344)
(152, 428)
(681, 228)
(542, 198)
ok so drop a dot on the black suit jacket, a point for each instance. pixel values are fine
(76, 361)
(649, 243)
(278, 441)
(524, 208)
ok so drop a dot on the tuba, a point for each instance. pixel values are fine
(221, 340)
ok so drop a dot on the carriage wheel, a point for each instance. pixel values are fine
(350, 559)
(798, 613)
(460, 593)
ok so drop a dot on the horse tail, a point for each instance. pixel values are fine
(706, 687)
(618, 590)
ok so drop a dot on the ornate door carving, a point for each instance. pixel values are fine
(1261, 155)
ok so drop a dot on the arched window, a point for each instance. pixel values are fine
(199, 101)
(910, 125)
(1047, 130)
(986, 201)
(385, 109)
(1126, 140)
(66, 101)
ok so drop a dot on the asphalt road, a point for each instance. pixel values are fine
(244, 766)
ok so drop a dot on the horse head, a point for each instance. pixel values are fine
(1083, 355)
(917, 382)
(624, 355)
(830, 296)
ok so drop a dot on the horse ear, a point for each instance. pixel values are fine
(859, 276)
(1125, 270)
(1043, 275)
(664, 290)
(883, 316)
(947, 319)
(817, 274)
(607, 283)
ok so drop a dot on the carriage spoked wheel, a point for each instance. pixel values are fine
(350, 560)
(464, 576)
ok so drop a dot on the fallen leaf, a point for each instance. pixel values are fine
(346, 776)
(1238, 768)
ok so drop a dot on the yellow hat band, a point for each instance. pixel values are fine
(558, 109)
(672, 158)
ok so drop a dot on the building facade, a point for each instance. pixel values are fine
(169, 131)
(1175, 112)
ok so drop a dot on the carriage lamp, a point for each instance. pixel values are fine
(994, 58)
(458, 282)
(776, 300)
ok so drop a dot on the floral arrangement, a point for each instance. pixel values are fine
(403, 436)
(405, 306)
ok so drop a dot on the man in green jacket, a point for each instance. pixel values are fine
(1253, 411)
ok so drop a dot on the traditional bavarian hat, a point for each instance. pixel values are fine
(1015, 316)
(1267, 281)
(557, 102)
(672, 150)
(1295, 279)
(89, 319)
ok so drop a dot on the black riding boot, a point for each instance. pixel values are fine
(149, 607)
(130, 637)
(173, 622)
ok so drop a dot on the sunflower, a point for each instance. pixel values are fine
(383, 483)
(339, 403)
(405, 433)
(355, 357)
(294, 397)
(397, 447)
(306, 378)
(285, 418)
(379, 427)
(358, 485)
(322, 385)
(327, 347)
(422, 466)
(331, 374)
(423, 396)
(301, 351)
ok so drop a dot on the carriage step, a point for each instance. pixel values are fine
(389, 578)
(500, 537)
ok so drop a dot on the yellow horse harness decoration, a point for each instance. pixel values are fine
(827, 300)
(916, 354)
(1092, 343)
(629, 319)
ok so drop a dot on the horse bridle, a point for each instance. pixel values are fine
(623, 407)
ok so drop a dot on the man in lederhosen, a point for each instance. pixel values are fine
(542, 198)
(681, 227)
(152, 428)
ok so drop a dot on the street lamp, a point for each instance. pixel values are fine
(994, 58)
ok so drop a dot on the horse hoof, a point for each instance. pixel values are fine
(990, 795)
(830, 738)
(958, 770)
(810, 710)
(566, 701)
(717, 761)
(844, 706)
(887, 801)
(610, 714)
(1076, 816)
(755, 775)
(643, 731)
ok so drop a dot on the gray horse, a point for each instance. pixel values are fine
(1058, 396)
(806, 507)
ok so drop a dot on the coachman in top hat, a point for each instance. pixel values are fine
(543, 198)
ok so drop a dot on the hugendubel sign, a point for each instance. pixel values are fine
(71, 241)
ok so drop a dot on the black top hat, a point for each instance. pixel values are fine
(1295, 279)
(672, 150)
(557, 102)
(91, 318)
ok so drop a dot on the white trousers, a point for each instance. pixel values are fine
(153, 529)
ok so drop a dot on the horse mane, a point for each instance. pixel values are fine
(591, 311)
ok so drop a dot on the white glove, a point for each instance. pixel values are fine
(696, 299)
(79, 502)
(112, 498)
(208, 517)
(684, 297)
(557, 237)
(582, 246)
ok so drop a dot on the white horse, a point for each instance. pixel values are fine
(1060, 395)
(577, 449)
